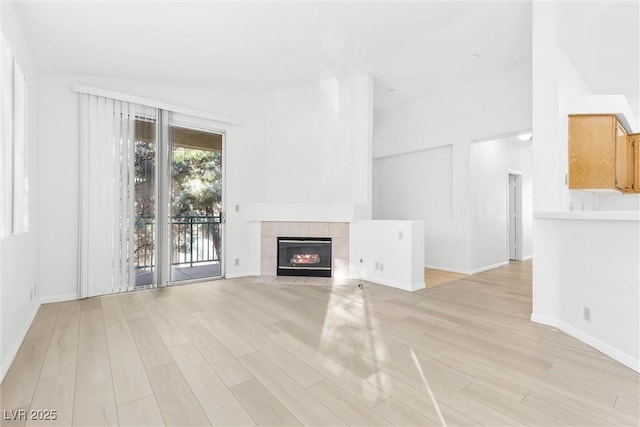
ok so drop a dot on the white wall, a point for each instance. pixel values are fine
(594, 264)
(490, 164)
(419, 186)
(318, 146)
(495, 104)
(19, 253)
(57, 162)
(578, 263)
(309, 143)
(387, 252)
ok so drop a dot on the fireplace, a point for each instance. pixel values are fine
(304, 256)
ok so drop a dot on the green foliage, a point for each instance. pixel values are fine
(145, 171)
(196, 182)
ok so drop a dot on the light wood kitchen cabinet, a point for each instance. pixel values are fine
(635, 146)
(601, 155)
(624, 160)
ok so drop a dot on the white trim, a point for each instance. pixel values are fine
(488, 267)
(8, 360)
(237, 275)
(413, 151)
(452, 270)
(590, 215)
(527, 258)
(154, 103)
(544, 320)
(519, 207)
(59, 298)
(614, 353)
(471, 271)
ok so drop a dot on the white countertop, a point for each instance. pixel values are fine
(591, 215)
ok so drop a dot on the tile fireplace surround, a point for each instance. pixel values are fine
(338, 231)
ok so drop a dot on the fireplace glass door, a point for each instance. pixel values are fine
(304, 256)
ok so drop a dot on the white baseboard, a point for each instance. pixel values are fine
(627, 360)
(453, 270)
(236, 275)
(488, 267)
(612, 352)
(59, 298)
(8, 360)
(468, 272)
(544, 320)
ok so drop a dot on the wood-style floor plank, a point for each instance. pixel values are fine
(263, 406)
(92, 334)
(246, 351)
(94, 400)
(178, 405)
(143, 413)
(63, 349)
(346, 406)
(224, 363)
(152, 349)
(401, 415)
(20, 382)
(303, 405)
(130, 381)
(54, 394)
(114, 318)
(217, 401)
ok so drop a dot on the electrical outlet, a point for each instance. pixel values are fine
(381, 267)
(377, 265)
(400, 235)
(587, 314)
(236, 261)
(237, 208)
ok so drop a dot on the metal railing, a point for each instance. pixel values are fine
(195, 240)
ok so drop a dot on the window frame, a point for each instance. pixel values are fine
(14, 187)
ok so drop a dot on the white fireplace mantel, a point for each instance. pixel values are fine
(310, 212)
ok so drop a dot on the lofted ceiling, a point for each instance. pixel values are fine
(411, 48)
(602, 40)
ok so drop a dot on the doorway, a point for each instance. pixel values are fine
(514, 215)
(178, 200)
(196, 204)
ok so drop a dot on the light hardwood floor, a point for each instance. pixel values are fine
(233, 352)
(434, 277)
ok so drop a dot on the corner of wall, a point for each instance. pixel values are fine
(9, 356)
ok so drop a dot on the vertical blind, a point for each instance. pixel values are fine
(106, 193)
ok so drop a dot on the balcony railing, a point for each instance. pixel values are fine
(195, 240)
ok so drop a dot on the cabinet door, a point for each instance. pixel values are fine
(591, 151)
(635, 147)
(624, 176)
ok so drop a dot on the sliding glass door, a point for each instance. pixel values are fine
(196, 204)
(178, 198)
(145, 167)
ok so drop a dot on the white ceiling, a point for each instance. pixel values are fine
(602, 40)
(414, 48)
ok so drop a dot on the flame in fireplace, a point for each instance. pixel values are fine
(305, 259)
